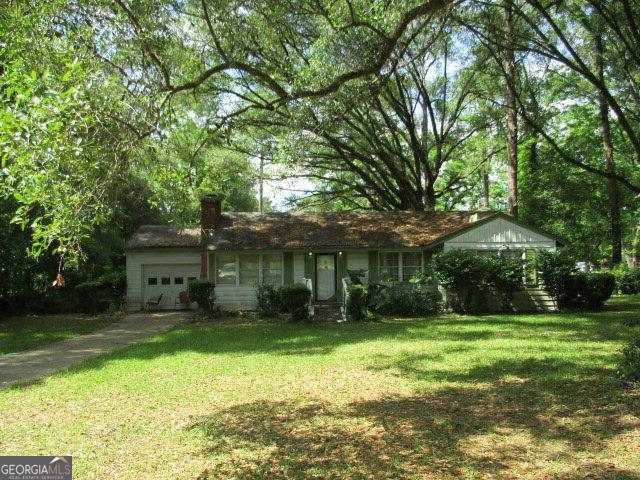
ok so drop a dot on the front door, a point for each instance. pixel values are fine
(325, 276)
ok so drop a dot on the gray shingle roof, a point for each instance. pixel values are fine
(157, 236)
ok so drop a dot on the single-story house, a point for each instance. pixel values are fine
(238, 250)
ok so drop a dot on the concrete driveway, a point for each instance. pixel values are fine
(20, 367)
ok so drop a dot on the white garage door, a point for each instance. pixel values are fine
(168, 281)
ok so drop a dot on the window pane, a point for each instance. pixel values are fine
(249, 268)
(389, 265)
(178, 281)
(226, 269)
(152, 281)
(272, 261)
(410, 264)
(272, 268)
(166, 281)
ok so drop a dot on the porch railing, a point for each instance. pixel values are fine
(309, 284)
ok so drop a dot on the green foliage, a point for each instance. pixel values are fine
(356, 276)
(202, 292)
(571, 288)
(105, 290)
(268, 302)
(399, 299)
(294, 300)
(594, 288)
(629, 366)
(558, 269)
(627, 279)
(469, 278)
(356, 303)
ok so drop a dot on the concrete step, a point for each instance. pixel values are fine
(327, 312)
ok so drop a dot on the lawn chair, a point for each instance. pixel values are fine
(154, 302)
(181, 300)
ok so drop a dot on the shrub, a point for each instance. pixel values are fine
(202, 292)
(629, 366)
(356, 303)
(558, 270)
(627, 279)
(268, 300)
(400, 299)
(294, 299)
(356, 276)
(468, 277)
(571, 288)
(593, 288)
(460, 272)
(101, 292)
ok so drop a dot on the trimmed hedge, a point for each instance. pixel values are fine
(573, 289)
(294, 299)
(594, 288)
(398, 299)
(267, 300)
(202, 292)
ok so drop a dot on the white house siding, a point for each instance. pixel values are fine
(184, 260)
(499, 234)
(298, 268)
(236, 297)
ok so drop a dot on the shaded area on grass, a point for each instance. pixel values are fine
(31, 331)
(511, 429)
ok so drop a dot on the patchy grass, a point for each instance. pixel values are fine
(30, 331)
(498, 396)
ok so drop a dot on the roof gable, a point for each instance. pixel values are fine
(498, 228)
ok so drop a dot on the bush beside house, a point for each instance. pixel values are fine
(571, 288)
(292, 299)
(356, 303)
(469, 278)
(202, 292)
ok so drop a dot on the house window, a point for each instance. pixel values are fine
(249, 268)
(152, 281)
(399, 266)
(390, 265)
(272, 268)
(191, 279)
(166, 281)
(411, 263)
(226, 269)
(178, 281)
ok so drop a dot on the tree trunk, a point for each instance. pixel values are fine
(261, 184)
(485, 187)
(512, 112)
(613, 189)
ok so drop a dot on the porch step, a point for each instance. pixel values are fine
(327, 312)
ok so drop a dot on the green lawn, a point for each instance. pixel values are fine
(450, 397)
(30, 331)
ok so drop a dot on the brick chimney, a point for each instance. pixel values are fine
(210, 218)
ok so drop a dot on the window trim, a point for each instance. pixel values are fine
(400, 262)
(261, 268)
